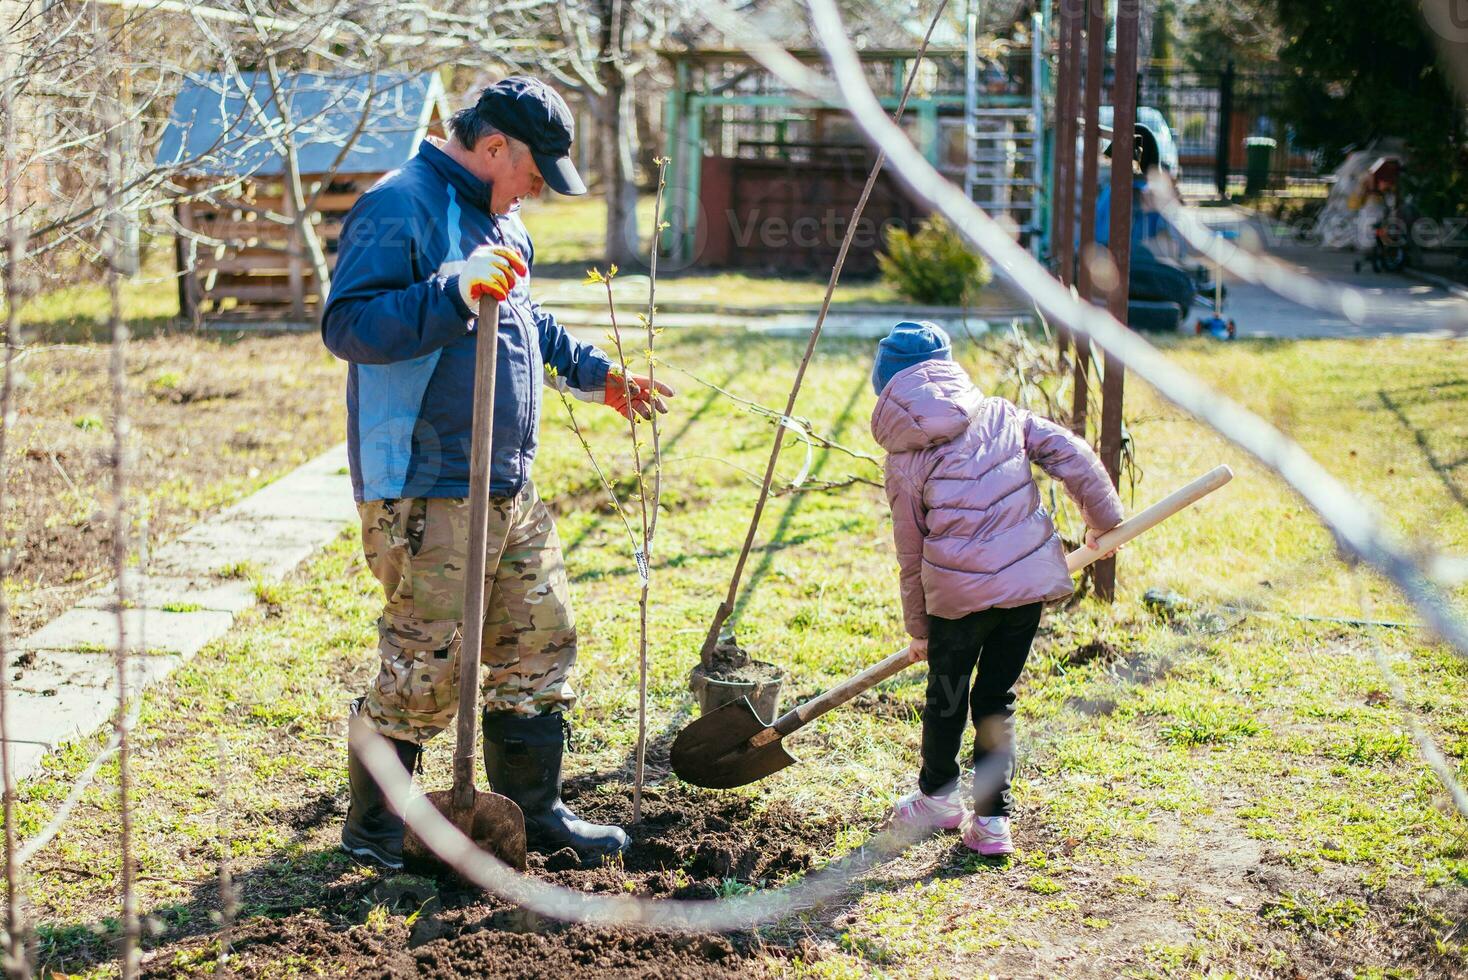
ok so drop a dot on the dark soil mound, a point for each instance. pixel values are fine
(700, 838)
(689, 844)
(462, 945)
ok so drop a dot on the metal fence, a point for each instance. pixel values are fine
(1212, 113)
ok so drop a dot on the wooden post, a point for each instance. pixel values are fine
(1068, 100)
(190, 295)
(1061, 67)
(1090, 168)
(296, 268)
(1062, 170)
(1225, 124)
(1124, 98)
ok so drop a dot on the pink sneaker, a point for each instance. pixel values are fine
(987, 835)
(920, 811)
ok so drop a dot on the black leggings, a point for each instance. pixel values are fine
(997, 641)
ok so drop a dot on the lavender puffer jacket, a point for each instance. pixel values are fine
(966, 513)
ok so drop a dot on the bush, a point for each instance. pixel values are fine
(933, 266)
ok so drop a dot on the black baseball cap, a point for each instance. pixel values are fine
(535, 114)
(1145, 150)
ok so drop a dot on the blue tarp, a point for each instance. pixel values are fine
(214, 128)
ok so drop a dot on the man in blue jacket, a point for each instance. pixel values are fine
(417, 251)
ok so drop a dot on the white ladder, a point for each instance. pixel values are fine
(1005, 173)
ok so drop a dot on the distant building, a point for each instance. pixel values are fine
(226, 133)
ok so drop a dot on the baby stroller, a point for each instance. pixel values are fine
(1389, 234)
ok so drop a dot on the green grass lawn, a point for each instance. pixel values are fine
(571, 231)
(569, 236)
(1226, 790)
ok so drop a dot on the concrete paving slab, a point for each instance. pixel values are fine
(64, 674)
(318, 490)
(226, 530)
(54, 719)
(94, 630)
(234, 551)
(320, 497)
(46, 672)
(25, 757)
(177, 593)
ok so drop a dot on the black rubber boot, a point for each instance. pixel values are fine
(372, 831)
(522, 756)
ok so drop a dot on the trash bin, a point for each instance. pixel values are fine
(1258, 150)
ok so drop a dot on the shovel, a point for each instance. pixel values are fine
(493, 822)
(732, 747)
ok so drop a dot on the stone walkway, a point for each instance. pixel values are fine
(64, 676)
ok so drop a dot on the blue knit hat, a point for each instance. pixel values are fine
(910, 343)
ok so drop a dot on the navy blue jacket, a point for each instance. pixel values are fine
(396, 316)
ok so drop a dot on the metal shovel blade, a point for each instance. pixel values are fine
(495, 824)
(715, 752)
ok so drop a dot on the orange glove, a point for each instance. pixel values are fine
(644, 398)
(492, 271)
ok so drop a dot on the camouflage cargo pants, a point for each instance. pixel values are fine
(417, 548)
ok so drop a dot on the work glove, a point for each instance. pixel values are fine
(492, 271)
(644, 398)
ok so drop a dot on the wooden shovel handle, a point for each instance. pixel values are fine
(1150, 518)
(802, 714)
(481, 452)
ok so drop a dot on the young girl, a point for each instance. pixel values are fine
(979, 559)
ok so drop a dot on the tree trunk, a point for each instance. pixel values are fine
(644, 108)
(302, 236)
(616, 127)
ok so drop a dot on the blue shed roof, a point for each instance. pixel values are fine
(216, 129)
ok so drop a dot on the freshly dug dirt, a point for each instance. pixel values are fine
(470, 943)
(750, 672)
(690, 844)
(732, 663)
(212, 419)
(1092, 651)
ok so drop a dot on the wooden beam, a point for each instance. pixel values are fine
(1067, 101)
(264, 294)
(1124, 98)
(1063, 172)
(1090, 169)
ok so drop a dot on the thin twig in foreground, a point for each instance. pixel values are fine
(642, 556)
(596, 465)
(17, 963)
(228, 895)
(764, 410)
(822, 485)
(639, 769)
(128, 953)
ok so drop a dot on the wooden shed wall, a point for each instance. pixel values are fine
(252, 267)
